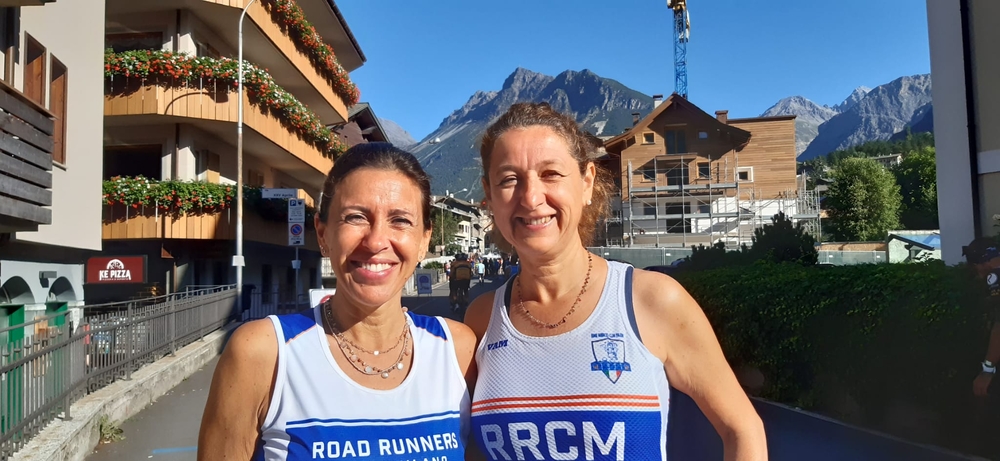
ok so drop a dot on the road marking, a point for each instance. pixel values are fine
(167, 451)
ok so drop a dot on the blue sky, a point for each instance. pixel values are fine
(425, 58)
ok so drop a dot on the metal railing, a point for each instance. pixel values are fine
(48, 363)
(261, 304)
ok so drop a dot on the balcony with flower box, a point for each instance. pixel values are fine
(143, 209)
(149, 87)
(278, 36)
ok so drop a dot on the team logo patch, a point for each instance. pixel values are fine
(609, 358)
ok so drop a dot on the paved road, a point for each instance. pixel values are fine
(168, 429)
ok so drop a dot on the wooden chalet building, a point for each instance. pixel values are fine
(688, 178)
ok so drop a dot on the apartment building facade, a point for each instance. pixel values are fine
(50, 169)
(170, 112)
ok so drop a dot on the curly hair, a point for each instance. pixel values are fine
(581, 147)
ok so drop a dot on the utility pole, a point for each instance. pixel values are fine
(238, 258)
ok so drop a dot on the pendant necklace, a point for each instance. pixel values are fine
(350, 349)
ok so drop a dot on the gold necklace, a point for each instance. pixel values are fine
(352, 357)
(520, 299)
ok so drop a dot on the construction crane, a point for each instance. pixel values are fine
(682, 33)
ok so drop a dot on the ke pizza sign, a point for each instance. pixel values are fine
(116, 269)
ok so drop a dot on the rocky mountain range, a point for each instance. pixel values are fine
(604, 107)
(809, 116)
(450, 154)
(396, 134)
(883, 112)
(865, 115)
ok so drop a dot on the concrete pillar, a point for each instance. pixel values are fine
(951, 135)
(185, 35)
(187, 156)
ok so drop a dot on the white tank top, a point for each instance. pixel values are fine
(593, 393)
(318, 412)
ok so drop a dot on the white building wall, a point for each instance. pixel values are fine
(951, 136)
(73, 32)
(955, 172)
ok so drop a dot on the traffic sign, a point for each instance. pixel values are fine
(424, 281)
(296, 234)
(296, 210)
(270, 192)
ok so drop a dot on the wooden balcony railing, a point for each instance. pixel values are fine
(298, 59)
(26, 142)
(121, 222)
(143, 97)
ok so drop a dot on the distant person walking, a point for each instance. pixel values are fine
(480, 270)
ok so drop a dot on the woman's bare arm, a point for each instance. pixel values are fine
(675, 329)
(477, 317)
(240, 395)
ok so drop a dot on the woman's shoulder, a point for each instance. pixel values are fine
(433, 324)
(253, 338)
(460, 332)
(653, 285)
(252, 347)
(477, 315)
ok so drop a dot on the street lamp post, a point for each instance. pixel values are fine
(238, 258)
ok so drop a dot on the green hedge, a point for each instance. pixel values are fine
(874, 334)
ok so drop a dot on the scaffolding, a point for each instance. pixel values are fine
(667, 206)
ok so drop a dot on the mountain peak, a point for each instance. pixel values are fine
(803, 108)
(396, 134)
(857, 95)
(882, 112)
(599, 105)
(809, 116)
(522, 78)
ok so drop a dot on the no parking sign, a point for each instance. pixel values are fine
(296, 234)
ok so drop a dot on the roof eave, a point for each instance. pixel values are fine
(347, 30)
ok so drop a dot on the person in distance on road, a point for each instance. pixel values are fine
(576, 349)
(357, 376)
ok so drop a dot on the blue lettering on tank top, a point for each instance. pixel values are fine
(429, 437)
(569, 435)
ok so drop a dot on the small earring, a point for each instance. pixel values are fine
(588, 202)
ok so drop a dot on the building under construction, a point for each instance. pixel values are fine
(687, 178)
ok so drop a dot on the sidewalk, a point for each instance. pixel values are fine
(71, 440)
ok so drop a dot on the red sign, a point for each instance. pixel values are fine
(116, 269)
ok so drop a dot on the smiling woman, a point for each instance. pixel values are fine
(357, 374)
(603, 342)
